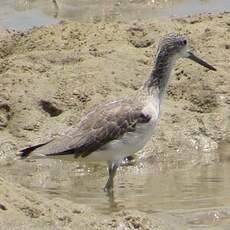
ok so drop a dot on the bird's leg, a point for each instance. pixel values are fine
(112, 168)
(56, 8)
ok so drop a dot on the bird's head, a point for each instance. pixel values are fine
(175, 46)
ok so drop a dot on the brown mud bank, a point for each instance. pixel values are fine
(51, 75)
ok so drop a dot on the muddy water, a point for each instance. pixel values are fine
(195, 192)
(24, 14)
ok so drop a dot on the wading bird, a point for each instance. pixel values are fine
(118, 129)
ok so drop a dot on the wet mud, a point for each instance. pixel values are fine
(50, 76)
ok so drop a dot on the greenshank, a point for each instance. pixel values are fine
(116, 130)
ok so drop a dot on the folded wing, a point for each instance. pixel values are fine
(98, 127)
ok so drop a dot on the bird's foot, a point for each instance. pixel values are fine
(109, 186)
(108, 190)
(130, 160)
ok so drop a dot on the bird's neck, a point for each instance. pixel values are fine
(158, 79)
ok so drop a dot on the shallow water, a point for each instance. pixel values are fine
(194, 191)
(24, 14)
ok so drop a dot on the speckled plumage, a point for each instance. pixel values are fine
(98, 127)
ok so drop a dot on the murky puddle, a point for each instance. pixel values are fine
(24, 14)
(199, 194)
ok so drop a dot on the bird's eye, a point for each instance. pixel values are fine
(184, 42)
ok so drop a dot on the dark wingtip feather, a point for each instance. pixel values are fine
(24, 153)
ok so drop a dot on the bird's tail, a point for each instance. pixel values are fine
(24, 153)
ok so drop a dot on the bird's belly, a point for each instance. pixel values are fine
(127, 145)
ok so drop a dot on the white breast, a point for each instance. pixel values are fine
(131, 142)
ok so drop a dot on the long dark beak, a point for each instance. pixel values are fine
(199, 61)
